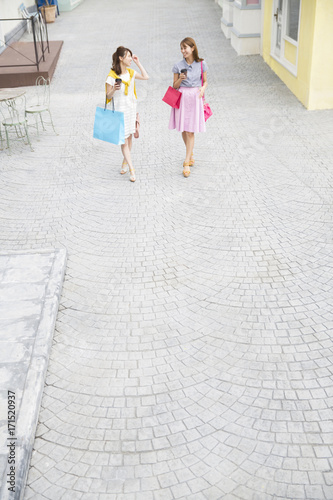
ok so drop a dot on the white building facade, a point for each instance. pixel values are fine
(10, 30)
(241, 21)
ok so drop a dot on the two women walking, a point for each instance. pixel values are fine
(189, 77)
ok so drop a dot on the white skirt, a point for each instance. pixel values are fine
(128, 107)
(125, 103)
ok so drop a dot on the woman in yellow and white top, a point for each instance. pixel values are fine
(124, 96)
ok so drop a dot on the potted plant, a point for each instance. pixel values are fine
(48, 11)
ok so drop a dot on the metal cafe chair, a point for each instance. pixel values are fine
(41, 103)
(15, 118)
(33, 17)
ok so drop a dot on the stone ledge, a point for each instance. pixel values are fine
(24, 76)
(26, 332)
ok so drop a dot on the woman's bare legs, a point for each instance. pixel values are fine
(126, 150)
(130, 142)
(189, 146)
(124, 166)
(188, 138)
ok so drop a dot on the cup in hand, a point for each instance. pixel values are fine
(184, 71)
(118, 82)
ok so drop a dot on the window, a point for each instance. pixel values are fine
(293, 19)
(252, 2)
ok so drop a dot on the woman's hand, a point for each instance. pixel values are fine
(202, 92)
(117, 86)
(110, 90)
(144, 75)
(182, 76)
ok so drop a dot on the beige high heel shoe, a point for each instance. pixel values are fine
(124, 167)
(186, 171)
(132, 175)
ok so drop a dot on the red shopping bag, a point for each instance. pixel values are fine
(172, 97)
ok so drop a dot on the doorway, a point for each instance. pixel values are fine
(285, 32)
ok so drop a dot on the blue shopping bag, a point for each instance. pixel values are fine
(109, 125)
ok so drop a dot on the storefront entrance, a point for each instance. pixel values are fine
(285, 31)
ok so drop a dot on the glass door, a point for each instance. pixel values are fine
(285, 33)
(277, 27)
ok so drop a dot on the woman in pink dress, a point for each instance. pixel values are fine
(192, 83)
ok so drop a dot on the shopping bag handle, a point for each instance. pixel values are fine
(106, 104)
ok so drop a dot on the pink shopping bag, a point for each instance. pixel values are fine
(172, 97)
(207, 111)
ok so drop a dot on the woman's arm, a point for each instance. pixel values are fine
(111, 89)
(177, 79)
(205, 83)
(144, 75)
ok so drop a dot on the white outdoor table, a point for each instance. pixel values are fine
(9, 94)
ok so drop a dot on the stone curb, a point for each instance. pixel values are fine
(28, 412)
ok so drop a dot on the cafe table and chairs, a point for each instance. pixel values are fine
(13, 119)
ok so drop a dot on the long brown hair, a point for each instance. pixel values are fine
(120, 52)
(191, 43)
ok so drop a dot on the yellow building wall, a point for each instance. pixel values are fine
(290, 53)
(313, 85)
(321, 80)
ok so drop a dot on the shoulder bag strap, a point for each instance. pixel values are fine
(202, 81)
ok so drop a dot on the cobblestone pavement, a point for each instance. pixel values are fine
(192, 356)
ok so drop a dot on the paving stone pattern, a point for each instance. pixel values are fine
(192, 356)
